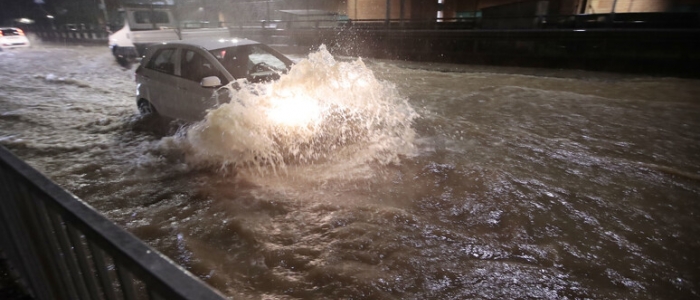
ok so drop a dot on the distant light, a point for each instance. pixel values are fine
(25, 21)
(227, 40)
(579, 30)
(49, 16)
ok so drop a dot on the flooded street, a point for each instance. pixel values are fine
(461, 182)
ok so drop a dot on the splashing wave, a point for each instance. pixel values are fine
(322, 110)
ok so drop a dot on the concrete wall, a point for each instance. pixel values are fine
(628, 6)
(376, 9)
(649, 51)
(561, 7)
(565, 7)
(423, 9)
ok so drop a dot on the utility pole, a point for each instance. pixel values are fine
(388, 12)
(103, 7)
(612, 13)
(176, 15)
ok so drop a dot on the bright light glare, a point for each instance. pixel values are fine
(294, 112)
(226, 40)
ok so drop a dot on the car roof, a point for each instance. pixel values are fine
(212, 43)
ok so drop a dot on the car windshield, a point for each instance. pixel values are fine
(254, 62)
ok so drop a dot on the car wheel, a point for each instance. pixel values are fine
(121, 60)
(146, 108)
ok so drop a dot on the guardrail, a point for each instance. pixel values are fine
(89, 36)
(64, 249)
(489, 22)
(93, 34)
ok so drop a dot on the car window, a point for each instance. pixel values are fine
(240, 61)
(259, 55)
(163, 61)
(148, 17)
(9, 32)
(235, 60)
(194, 66)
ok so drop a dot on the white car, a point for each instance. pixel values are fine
(11, 37)
(181, 79)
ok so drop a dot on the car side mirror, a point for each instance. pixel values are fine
(210, 82)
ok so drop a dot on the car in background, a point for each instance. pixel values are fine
(182, 79)
(12, 37)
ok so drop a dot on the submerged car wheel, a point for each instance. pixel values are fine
(146, 108)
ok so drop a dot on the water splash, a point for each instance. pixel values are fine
(322, 110)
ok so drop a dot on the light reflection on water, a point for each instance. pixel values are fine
(543, 184)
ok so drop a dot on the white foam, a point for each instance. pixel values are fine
(322, 110)
(51, 78)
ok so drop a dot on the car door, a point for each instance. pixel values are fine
(195, 100)
(159, 81)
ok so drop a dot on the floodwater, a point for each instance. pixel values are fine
(400, 181)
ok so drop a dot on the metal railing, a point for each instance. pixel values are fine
(72, 35)
(94, 35)
(532, 22)
(64, 249)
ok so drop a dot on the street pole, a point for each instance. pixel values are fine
(176, 15)
(612, 14)
(388, 12)
(104, 12)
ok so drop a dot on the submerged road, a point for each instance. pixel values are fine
(508, 183)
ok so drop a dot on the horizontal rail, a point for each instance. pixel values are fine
(483, 22)
(544, 22)
(64, 249)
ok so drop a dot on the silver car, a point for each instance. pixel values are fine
(182, 79)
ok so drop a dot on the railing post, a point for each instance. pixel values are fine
(126, 281)
(88, 275)
(388, 13)
(19, 236)
(68, 285)
(68, 255)
(102, 273)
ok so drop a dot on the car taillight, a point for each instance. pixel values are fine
(20, 31)
(0, 32)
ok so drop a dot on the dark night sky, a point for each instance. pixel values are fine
(64, 11)
(13, 9)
